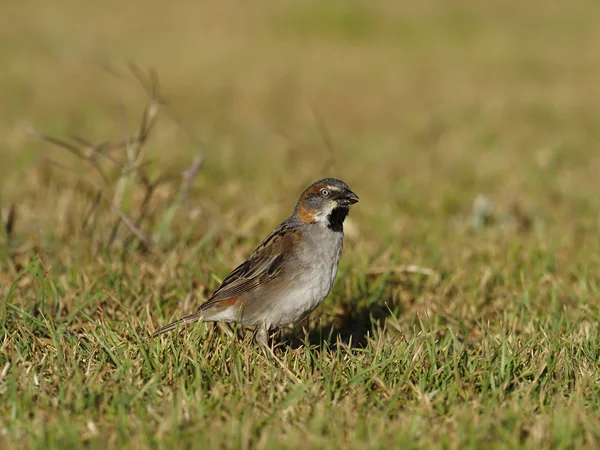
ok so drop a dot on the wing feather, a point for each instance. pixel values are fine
(264, 264)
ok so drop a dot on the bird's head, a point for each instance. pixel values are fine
(327, 202)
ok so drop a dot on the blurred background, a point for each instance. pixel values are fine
(439, 114)
(469, 278)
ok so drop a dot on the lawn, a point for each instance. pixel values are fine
(466, 311)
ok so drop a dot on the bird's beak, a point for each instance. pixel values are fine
(349, 197)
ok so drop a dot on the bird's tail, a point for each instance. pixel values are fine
(179, 323)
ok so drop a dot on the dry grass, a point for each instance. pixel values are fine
(469, 132)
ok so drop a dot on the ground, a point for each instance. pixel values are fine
(466, 309)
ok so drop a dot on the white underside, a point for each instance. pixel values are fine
(312, 285)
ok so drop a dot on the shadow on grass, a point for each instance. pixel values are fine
(353, 328)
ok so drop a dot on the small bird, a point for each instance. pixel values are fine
(292, 270)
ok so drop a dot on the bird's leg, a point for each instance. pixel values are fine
(262, 337)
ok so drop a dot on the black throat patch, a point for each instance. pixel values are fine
(336, 218)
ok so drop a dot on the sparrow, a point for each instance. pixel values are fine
(290, 273)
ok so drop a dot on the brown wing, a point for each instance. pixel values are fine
(264, 264)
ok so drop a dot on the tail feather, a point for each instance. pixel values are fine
(179, 323)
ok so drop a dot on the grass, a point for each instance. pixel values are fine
(467, 306)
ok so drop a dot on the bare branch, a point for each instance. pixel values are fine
(141, 78)
(149, 83)
(155, 83)
(93, 208)
(129, 165)
(190, 173)
(139, 233)
(99, 149)
(9, 227)
(74, 150)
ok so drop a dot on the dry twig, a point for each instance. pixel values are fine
(132, 172)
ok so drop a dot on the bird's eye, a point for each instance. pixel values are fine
(324, 192)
